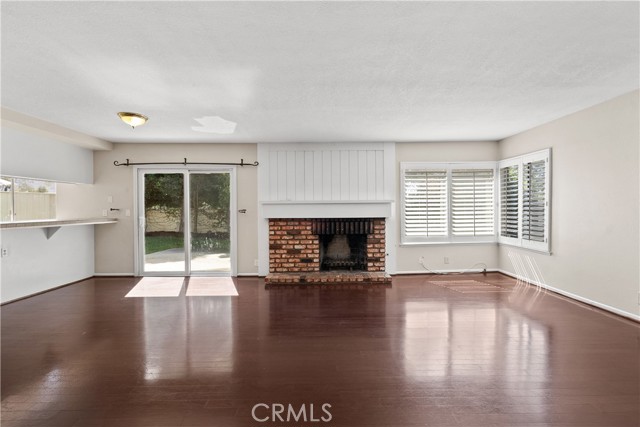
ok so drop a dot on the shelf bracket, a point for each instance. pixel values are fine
(50, 231)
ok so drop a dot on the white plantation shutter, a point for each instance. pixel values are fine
(472, 202)
(448, 202)
(534, 201)
(509, 206)
(425, 203)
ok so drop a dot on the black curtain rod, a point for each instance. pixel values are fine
(184, 163)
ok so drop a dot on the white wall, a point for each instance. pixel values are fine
(115, 243)
(595, 203)
(35, 263)
(31, 155)
(461, 256)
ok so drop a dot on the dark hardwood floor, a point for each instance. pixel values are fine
(429, 351)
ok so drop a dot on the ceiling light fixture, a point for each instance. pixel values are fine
(133, 119)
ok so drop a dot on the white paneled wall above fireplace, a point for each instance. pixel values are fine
(326, 172)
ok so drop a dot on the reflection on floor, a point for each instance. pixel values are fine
(471, 286)
(415, 354)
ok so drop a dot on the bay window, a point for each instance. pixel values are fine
(480, 202)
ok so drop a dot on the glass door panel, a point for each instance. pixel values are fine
(209, 214)
(164, 223)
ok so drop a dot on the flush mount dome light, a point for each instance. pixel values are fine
(133, 119)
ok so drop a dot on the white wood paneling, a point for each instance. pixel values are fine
(334, 161)
(301, 183)
(372, 209)
(281, 183)
(308, 174)
(327, 176)
(318, 176)
(324, 172)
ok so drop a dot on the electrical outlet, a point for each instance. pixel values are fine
(4, 252)
(104, 212)
(110, 199)
(446, 260)
(255, 262)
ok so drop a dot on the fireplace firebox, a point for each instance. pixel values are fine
(343, 243)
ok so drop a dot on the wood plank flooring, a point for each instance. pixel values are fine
(477, 351)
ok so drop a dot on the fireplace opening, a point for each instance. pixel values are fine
(343, 243)
(343, 252)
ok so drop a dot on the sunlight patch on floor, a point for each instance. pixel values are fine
(211, 286)
(157, 287)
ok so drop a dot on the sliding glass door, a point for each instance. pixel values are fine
(185, 222)
(209, 212)
(163, 236)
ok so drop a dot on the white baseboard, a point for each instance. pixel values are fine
(114, 274)
(475, 270)
(247, 275)
(605, 307)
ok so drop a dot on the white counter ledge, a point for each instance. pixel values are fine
(53, 225)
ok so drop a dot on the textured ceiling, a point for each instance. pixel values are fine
(314, 71)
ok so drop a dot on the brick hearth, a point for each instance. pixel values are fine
(294, 255)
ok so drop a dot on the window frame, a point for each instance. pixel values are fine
(424, 167)
(448, 167)
(521, 161)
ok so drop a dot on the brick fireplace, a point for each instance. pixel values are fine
(327, 250)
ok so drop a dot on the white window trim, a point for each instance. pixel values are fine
(449, 239)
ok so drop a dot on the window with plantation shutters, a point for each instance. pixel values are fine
(472, 202)
(425, 203)
(448, 202)
(525, 196)
(509, 201)
(478, 202)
